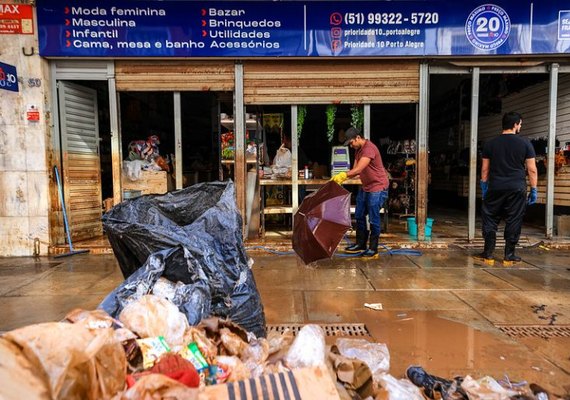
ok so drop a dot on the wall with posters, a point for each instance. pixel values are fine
(24, 177)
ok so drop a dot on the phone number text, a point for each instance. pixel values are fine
(356, 18)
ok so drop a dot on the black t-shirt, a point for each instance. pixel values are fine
(508, 154)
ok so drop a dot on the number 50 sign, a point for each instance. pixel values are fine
(8, 77)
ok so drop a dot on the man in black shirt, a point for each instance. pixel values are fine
(503, 185)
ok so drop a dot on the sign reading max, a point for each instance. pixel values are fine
(301, 29)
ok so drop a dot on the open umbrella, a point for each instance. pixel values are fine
(320, 222)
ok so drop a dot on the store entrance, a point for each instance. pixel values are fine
(148, 122)
(449, 141)
(393, 129)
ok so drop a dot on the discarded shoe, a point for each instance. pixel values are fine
(445, 389)
(539, 392)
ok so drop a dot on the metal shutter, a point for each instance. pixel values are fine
(175, 75)
(322, 82)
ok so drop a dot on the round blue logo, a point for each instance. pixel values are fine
(488, 27)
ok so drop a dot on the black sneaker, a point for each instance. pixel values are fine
(431, 384)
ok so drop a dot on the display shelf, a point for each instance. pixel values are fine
(302, 182)
(278, 210)
(250, 124)
(231, 162)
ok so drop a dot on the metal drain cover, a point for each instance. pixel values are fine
(330, 329)
(541, 331)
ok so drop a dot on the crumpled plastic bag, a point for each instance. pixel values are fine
(308, 348)
(158, 386)
(132, 169)
(255, 356)
(375, 355)
(233, 344)
(399, 389)
(237, 370)
(279, 344)
(282, 157)
(20, 380)
(192, 298)
(79, 363)
(281, 168)
(151, 316)
(206, 345)
(354, 375)
(485, 388)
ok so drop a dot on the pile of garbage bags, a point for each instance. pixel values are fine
(189, 245)
(152, 352)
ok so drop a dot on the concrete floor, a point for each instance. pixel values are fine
(441, 310)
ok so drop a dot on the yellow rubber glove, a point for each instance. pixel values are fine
(340, 178)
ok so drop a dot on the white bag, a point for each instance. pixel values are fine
(282, 158)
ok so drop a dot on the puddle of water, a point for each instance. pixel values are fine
(447, 349)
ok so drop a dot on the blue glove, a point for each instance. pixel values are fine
(532, 196)
(484, 188)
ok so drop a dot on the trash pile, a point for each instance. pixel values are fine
(189, 324)
(151, 352)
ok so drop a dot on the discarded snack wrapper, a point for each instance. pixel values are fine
(374, 306)
(192, 353)
(152, 349)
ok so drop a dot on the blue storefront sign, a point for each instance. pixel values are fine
(302, 29)
(8, 77)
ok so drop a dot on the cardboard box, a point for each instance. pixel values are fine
(151, 182)
(301, 384)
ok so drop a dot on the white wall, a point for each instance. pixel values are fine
(24, 199)
(532, 103)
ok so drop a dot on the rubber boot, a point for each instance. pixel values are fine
(487, 255)
(372, 251)
(510, 257)
(360, 245)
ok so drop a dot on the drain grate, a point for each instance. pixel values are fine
(541, 331)
(330, 329)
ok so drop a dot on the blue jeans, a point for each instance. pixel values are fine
(369, 203)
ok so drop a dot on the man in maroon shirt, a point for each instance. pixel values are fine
(371, 196)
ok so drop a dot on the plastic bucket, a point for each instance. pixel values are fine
(412, 227)
(429, 223)
(131, 194)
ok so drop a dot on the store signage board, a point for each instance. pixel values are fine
(8, 77)
(16, 19)
(302, 29)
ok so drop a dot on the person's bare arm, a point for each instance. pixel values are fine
(485, 169)
(532, 172)
(360, 165)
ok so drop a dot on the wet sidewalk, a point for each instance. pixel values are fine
(441, 310)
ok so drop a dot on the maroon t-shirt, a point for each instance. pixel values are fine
(374, 177)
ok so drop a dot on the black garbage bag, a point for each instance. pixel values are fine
(204, 221)
(191, 295)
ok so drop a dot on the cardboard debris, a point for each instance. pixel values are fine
(305, 383)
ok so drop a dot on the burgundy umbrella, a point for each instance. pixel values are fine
(321, 222)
